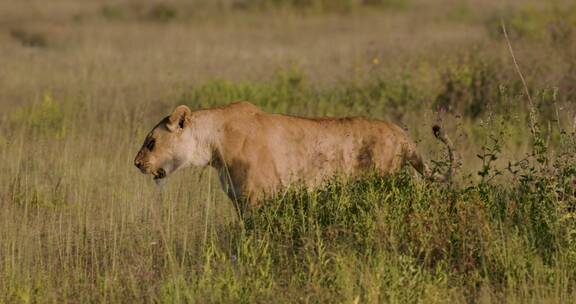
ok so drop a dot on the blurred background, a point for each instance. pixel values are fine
(414, 62)
(151, 49)
(82, 83)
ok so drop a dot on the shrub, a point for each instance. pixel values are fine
(162, 13)
(289, 92)
(29, 39)
(43, 118)
(531, 22)
(112, 12)
(321, 6)
(472, 89)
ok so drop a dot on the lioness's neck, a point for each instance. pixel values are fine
(212, 122)
(201, 138)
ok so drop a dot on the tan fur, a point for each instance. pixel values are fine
(258, 153)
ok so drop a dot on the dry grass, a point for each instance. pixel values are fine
(137, 53)
(79, 224)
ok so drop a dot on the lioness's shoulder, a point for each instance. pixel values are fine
(242, 106)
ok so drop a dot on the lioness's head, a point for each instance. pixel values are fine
(172, 144)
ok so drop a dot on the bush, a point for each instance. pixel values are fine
(472, 89)
(29, 39)
(162, 13)
(531, 22)
(321, 6)
(290, 93)
(43, 118)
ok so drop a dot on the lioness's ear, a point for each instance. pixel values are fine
(179, 119)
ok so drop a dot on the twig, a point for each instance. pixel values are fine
(533, 121)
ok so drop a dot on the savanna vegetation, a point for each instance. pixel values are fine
(82, 82)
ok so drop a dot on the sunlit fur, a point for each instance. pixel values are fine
(258, 153)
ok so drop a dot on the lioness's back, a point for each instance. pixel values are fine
(314, 148)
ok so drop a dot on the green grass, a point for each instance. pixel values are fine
(79, 223)
(376, 239)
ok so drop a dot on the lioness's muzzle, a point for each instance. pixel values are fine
(161, 173)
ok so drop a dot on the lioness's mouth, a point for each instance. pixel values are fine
(160, 173)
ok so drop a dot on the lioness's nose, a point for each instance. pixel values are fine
(138, 163)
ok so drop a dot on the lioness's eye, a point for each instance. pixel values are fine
(150, 144)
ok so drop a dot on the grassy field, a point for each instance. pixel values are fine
(82, 82)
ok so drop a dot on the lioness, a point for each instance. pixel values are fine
(258, 153)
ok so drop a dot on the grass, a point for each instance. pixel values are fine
(78, 223)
